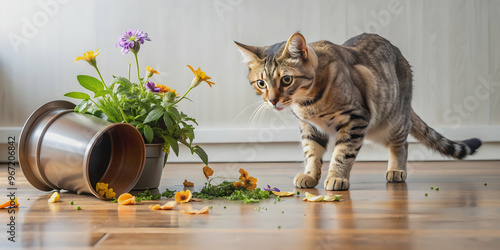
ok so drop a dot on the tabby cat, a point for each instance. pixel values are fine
(360, 89)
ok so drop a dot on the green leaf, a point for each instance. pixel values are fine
(123, 89)
(82, 107)
(148, 133)
(101, 93)
(154, 115)
(189, 119)
(190, 135)
(77, 95)
(173, 144)
(122, 81)
(201, 153)
(91, 83)
(174, 114)
(168, 122)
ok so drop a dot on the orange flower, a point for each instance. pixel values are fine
(183, 196)
(173, 91)
(207, 171)
(151, 71)
(238, 184)
(200, 76)
(163, 88)
(244, 174)
(250, 183)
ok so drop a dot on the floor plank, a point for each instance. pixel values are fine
(463, 214)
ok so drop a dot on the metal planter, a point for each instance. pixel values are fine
(62, 149)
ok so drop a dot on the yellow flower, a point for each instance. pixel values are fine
(89, 57)
(250, 183)
(110, 194)
(200, 76)
(163, 88)
(101, 188)
(207, 171)
(183, 196)
(151, 71)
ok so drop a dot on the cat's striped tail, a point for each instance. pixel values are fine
(432, 139)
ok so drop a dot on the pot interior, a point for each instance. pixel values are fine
(100, 158)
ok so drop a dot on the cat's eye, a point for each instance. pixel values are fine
(286, 80)
(261, 84)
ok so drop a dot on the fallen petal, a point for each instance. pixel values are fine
(283, 193)
(201, 211)
(333, 198)
(314, 198)
(169, 205)
(155, 207)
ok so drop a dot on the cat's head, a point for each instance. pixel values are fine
(281, 73)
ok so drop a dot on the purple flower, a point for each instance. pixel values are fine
(132, 40)
(151, 86)
(271, 189)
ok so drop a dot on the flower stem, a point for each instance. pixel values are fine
(138, 74)
(180, 99)
(129, 64)
(115, 100)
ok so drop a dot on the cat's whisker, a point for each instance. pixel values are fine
(261, 114)
(253, 118)
(253, 115)
(257, 117)
(245, 109)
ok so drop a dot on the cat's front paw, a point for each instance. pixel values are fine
(336, 184)
(305, 181)
(395, 175)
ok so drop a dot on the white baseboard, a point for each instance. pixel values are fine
(283, 145)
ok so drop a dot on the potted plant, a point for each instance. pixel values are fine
(151, 108)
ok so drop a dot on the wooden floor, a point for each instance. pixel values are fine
(463, 214)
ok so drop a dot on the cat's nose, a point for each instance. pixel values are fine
(274, 101)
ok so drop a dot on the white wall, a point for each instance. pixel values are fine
(451, 44)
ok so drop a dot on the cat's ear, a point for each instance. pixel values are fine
(250, 53)
(296, 47)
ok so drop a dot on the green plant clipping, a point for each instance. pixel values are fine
(226, 190)
(147, 195)
(169, 193)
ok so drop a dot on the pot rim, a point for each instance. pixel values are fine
(89, 150)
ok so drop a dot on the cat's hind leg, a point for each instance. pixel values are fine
(314, 145)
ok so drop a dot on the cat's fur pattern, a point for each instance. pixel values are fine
(361, 89)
